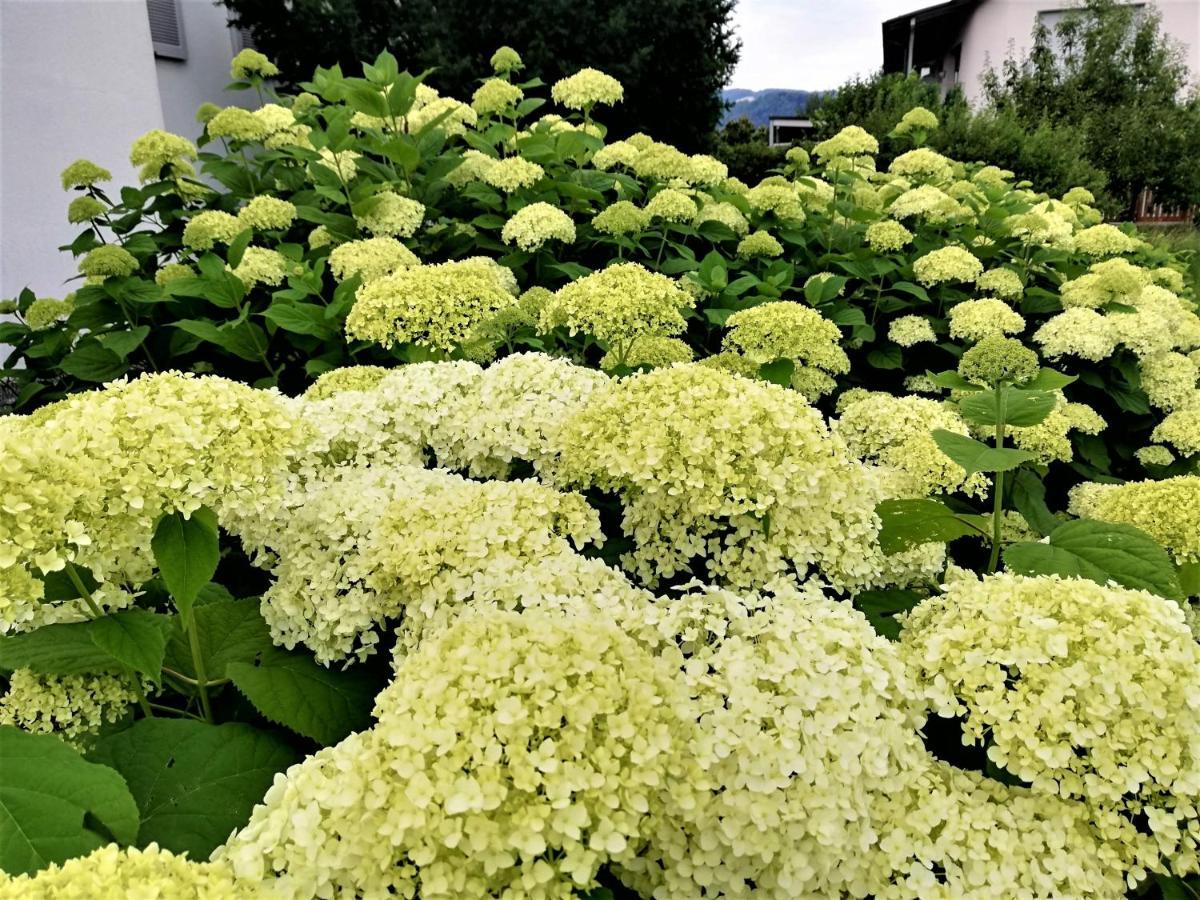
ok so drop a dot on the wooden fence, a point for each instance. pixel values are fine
(1148, 212)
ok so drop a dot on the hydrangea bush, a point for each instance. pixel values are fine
(441, 499)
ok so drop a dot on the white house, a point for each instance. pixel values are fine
(83, 78)
(957, 41)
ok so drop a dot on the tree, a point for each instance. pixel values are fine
(673, 56)
(744, 147)
(1109, 73)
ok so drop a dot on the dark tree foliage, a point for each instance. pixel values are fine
(1109, 74)
(743, 147)
(672, 56)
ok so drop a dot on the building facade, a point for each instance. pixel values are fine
(84, 78)
(956, 42)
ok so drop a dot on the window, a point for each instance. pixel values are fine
(166, 29)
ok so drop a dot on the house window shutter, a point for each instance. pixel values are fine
(243, 39)
(166, 28)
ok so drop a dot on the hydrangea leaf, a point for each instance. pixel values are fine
(227, 631)
(778, 371)
(186, 549)
(293, 690)
(55, 805)
(1020, 407)
(881, 608)
(132, 639)
(1102, 552)
(976, 456)
(1029, 496)
(906, 523)
(193, 782)
(91, 361)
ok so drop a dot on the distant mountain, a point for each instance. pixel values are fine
(759, 106)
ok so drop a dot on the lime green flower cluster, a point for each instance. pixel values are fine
(261, 265)
(112, 871)
(45, 312)
(157, 150)
(908, 331)
(916, 119)
(347, 378)
(391, 215)
(947, 264)
(618, 305)
(897, 433)
(496, 96)
(1060, 726)
(995, 359)
(887, 236)
(267, 213)
(671, 205)
(433, 305)
(787, 330)
(973, 320)
(1004, 283)
(759, 244)
(701, 458)
(210, 227)
(851, 141)
(87, 478)
(505, 60)
(83, 173)
(512, 174)
(85, 209)
(650, 350)
(370, 259)
(622, 217)
(250, 62)
(108, 261)
(532, 226)
(74, 707)
(587, 88)
(1167, 510)
(548, 739)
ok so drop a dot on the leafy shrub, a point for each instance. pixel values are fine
(621, 529)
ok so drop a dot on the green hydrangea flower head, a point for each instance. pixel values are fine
(83, 173)
(586, 88)
(505, 60)
(759, 244)
(84, 209)
(47, 311)
(995, 359)
(495, 96)
(250, 62)
(108, 261)
(157, 149)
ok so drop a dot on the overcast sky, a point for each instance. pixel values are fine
(811, 44)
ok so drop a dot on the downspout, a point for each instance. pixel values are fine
(912, 38)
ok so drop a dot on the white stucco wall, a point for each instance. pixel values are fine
(184, 84)
(1000, 28)
(76, 79)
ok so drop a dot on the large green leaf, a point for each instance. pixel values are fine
(290, 688)
(54, 805)
(1101, 552)
(186, 549)
(91, 361)
(194, 782)
(1029, 496)
(906, 523)
(881, 608)
(1020, 408)
(131, 639)
(975, 456)
(227, 631)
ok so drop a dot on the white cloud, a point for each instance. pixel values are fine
(811, 44)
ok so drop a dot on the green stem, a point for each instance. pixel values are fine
(189, 625)
(96, 613)
(998, 485)
(177, 712)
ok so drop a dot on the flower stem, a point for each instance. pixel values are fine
(998, 485)
(189, 625)
(96, 613)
